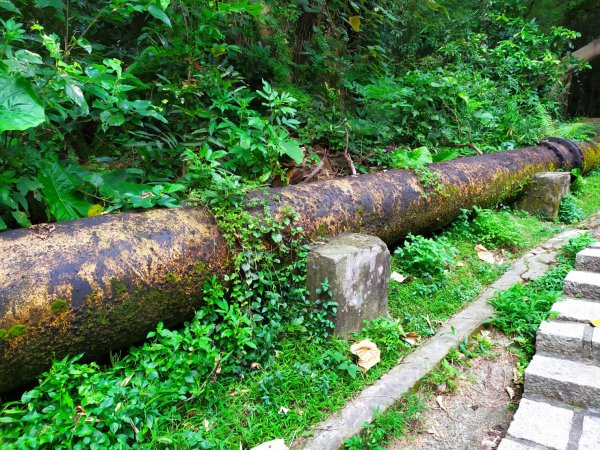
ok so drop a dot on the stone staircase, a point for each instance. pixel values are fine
(560, 408)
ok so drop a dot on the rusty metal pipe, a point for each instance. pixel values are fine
(100, 284)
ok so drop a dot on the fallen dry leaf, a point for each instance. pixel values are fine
(398, 277)
(485, 255)
(283, 410)
(460, 264)
(367, 352)
(440, 401)
(510, 391)
(276, 444)
(412, 338)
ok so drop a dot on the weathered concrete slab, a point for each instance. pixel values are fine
(542, 423)
(588, 260)
(590, 434)
(537, 266)
(585, 285)
(544, 194)
(569, 381)
(560, 337)
(577, 310)
(358, 269)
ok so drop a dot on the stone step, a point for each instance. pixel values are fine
(582, 284)
(575, 340)
(588, 260)
(565, 338)
(541, 424)
(571, 382)
(595, 245)
(571, 309)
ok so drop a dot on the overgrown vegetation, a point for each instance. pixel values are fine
(126, 104)
(253, 365)
(136, 104)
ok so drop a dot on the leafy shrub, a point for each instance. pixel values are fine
(424, 257)
(490, 228)
(520, 310)
(569, 211)
(577, 244)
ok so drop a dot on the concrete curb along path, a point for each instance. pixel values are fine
(389, 389)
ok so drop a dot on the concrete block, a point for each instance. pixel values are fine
(577, 310)
(590, 434)
(595, 245)
(560, 337)
(544, 194)
(542, 423)
(596, 344)
(571, 382)
(588, 260)
(358, 269)
(585, 285)
(509, 444)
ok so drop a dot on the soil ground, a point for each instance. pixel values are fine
(478, 413)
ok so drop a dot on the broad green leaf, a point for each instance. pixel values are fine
(293, 150)
(411, 160)
(20, 107)
(84, 44)
(8, 6)
(21, 218)
(27, 56)
(56, 4)
(6, 198)
(159, 14)
(64, 202)
(75, 93)
(3, 225)
(448, 155)
(354, 23)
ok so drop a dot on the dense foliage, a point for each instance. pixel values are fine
(124, 104)
(121, 104)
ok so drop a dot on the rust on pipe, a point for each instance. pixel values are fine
(99, 284)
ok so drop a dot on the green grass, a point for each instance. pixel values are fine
(589, 194)
(304, 382)
(425, 302)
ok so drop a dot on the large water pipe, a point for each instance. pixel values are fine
(100, 284)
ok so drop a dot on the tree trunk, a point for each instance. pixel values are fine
(588, 52)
